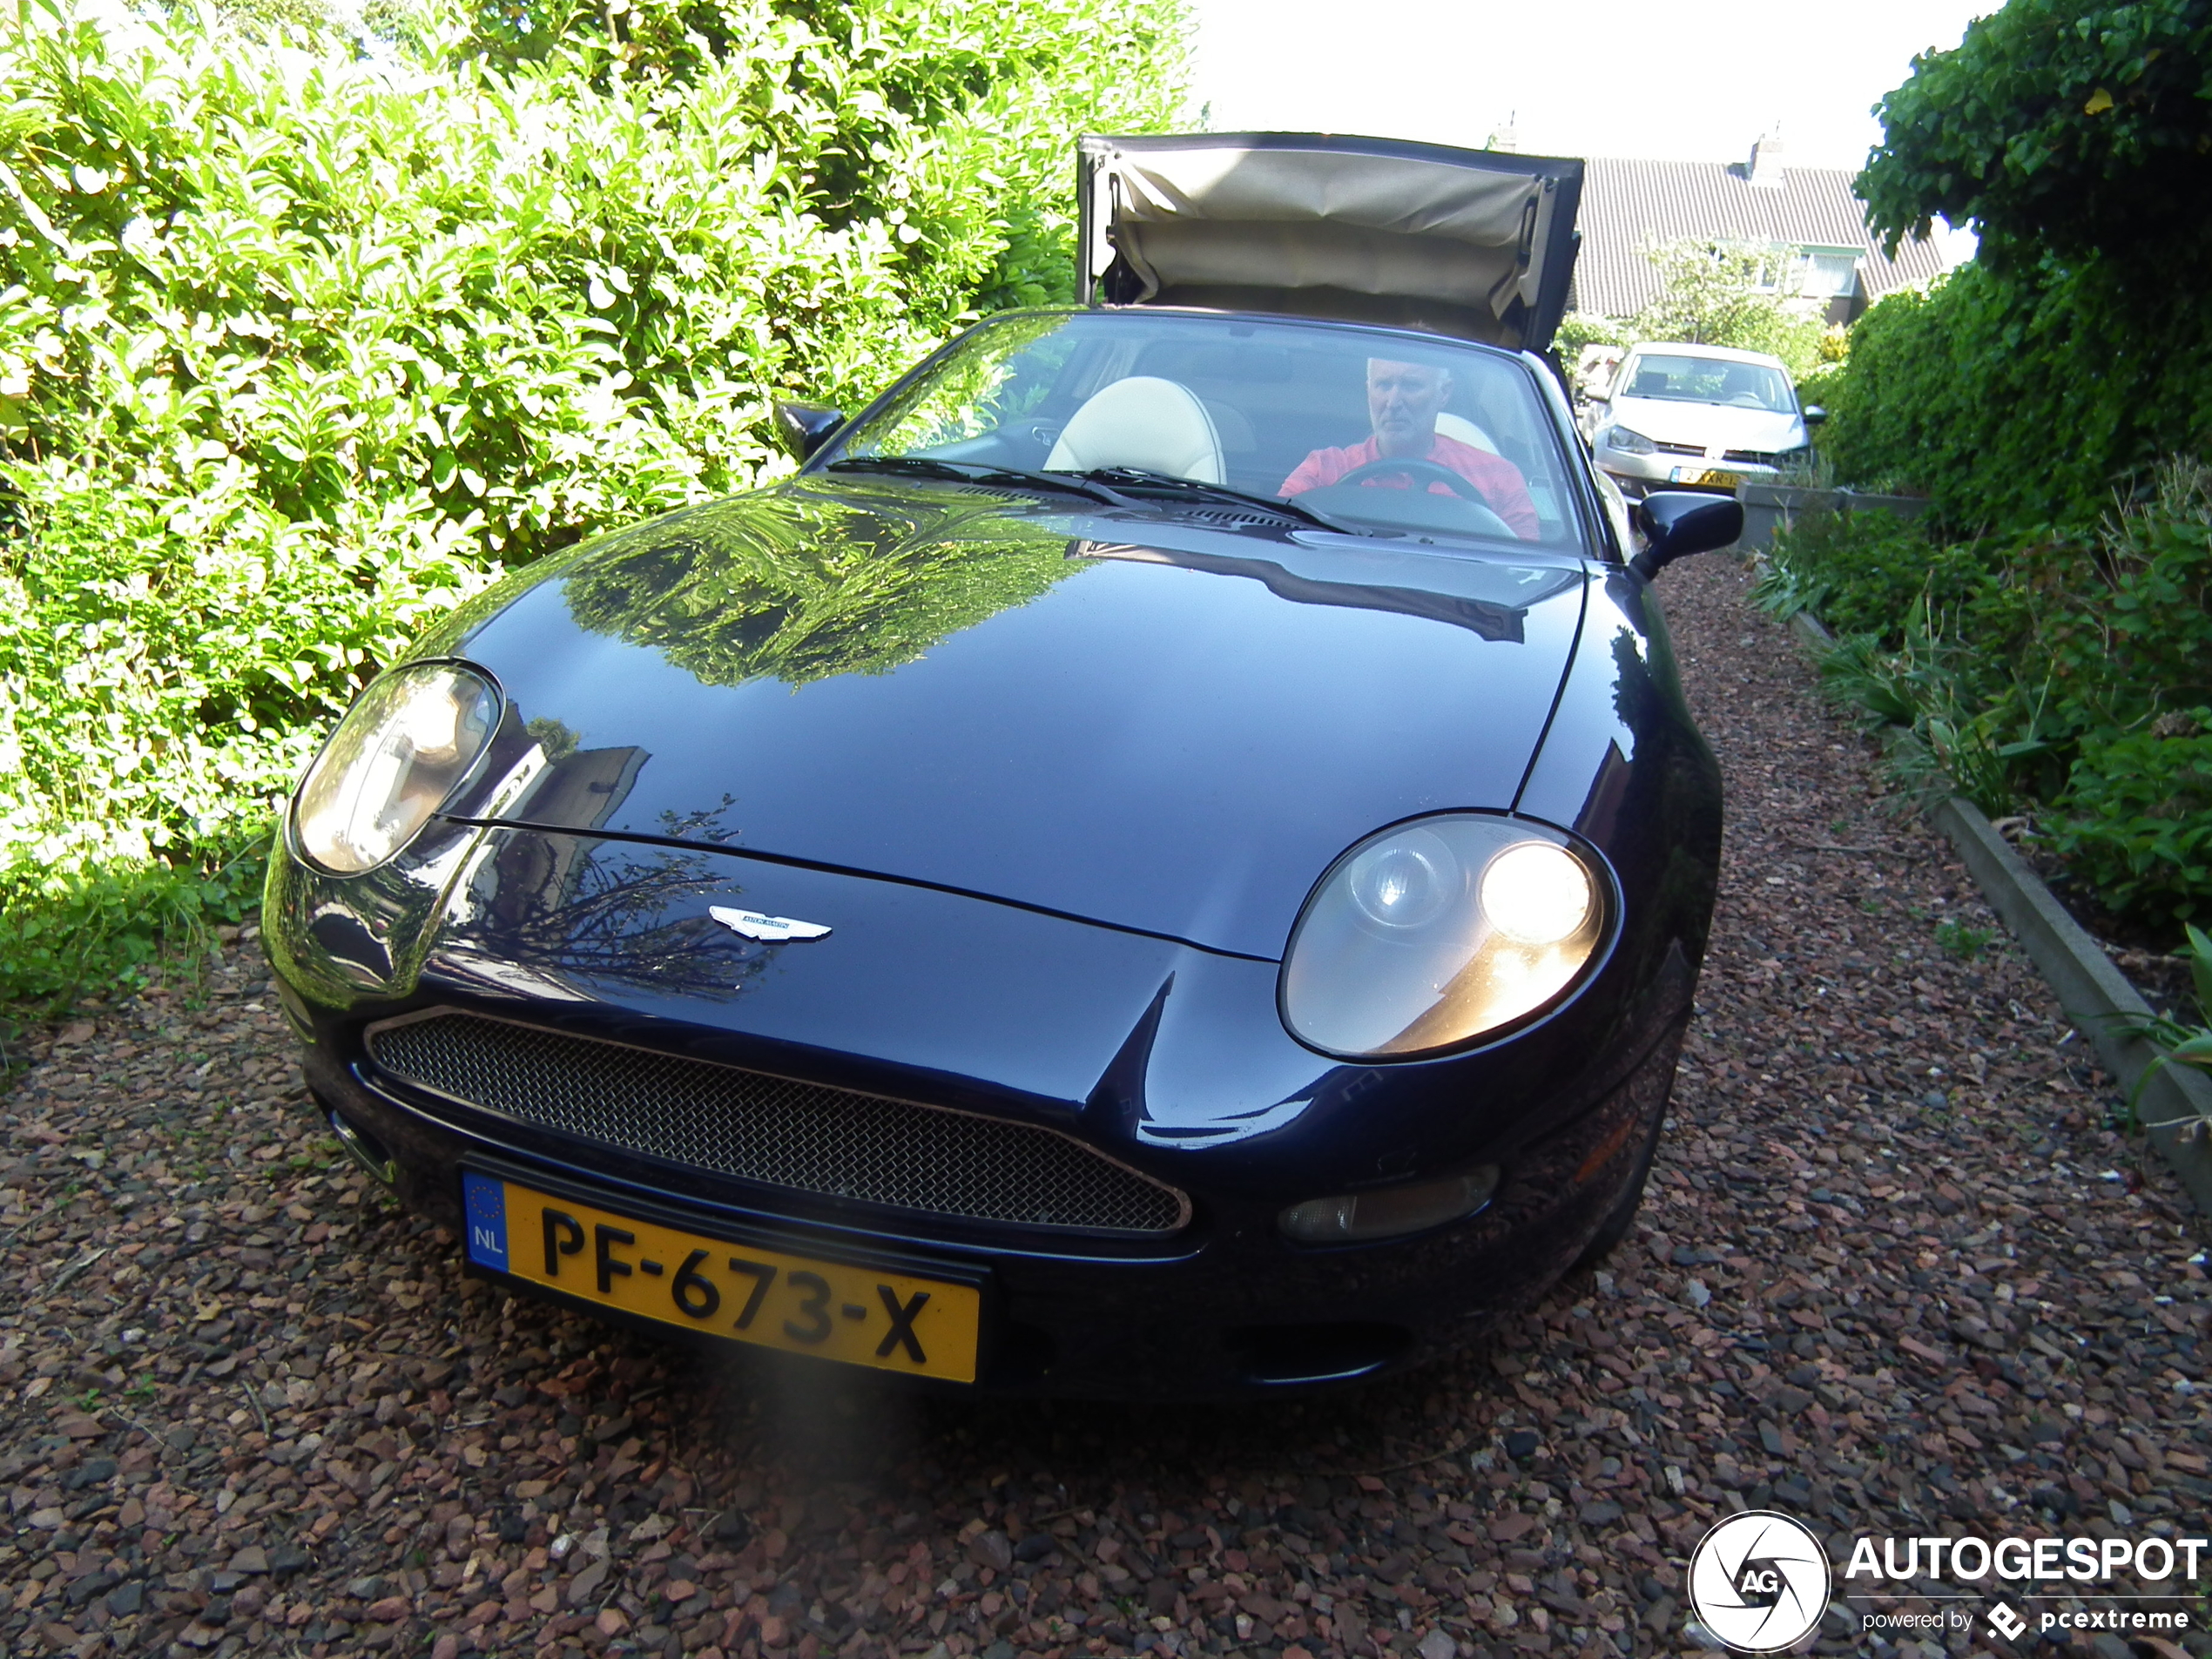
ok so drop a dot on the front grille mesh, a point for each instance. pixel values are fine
(770, 1130)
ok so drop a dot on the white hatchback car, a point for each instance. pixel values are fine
(1698, 416)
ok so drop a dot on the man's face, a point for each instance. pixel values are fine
(1403, 400)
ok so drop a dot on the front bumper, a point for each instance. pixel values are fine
(1169, 1061)
(1224, 1307)
(1639, 475)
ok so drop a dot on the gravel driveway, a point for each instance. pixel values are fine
(1894, 1275)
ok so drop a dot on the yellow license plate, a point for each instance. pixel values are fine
(1725, 480)
(862, 1316)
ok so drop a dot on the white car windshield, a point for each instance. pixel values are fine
(1373, 430)
(1683, 379)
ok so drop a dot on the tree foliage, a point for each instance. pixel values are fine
(1728, 293)
(2052, 372)
(2055, 126)
(300, 346)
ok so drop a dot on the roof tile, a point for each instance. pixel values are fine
(1627, 205)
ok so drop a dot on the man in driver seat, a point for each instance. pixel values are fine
(1403, 402)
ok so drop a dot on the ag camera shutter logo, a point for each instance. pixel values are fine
(1759, 1580)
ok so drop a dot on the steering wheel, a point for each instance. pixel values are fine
(1423, 473)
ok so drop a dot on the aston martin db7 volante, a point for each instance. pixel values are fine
(1168, 859)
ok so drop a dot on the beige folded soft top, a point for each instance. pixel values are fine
(1471, 243)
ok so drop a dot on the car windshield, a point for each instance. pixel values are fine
(1683, 379)
(1373, 431)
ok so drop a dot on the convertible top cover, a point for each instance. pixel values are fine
(1476, 244)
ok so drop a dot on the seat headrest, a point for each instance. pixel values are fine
(1143, 422)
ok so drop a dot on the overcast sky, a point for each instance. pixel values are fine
(1589, 77)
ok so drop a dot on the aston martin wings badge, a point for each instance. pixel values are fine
(774, 930)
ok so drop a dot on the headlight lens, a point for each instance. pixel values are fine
(393, 760)
(1627, 443)
(1425, 936)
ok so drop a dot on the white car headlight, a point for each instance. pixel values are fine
(1629, 443)
(1426, 936)
(393, 760)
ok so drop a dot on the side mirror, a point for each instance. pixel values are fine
(1814, 416)
(1677, 522)
(802, 429)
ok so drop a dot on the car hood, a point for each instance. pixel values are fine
(1712, 426)
(1127, 718)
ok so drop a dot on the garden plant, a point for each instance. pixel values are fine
(306, 338)
(2046, 633)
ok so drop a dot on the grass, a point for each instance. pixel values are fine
(1965, 942)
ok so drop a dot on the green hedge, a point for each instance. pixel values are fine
(2027, 398)
(300, 346)
(2046, 380)
(2051, 645)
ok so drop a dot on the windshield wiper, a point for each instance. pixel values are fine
(1093, 485)
(1144, 478)
(980, 472)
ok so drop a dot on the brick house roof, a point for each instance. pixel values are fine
(1627, 204)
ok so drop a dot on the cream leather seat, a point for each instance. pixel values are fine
(1141, 421)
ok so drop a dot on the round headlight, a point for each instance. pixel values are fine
(393, 760)
(1405, 881)
(1536, 894)
(1427, 936)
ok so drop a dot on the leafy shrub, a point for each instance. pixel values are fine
(2026, 400)
(2072, 674)
(299, 348)
(2138, 818)
(2179, 1042)
(1862, 573)
(1925, 688)
(1579, 328)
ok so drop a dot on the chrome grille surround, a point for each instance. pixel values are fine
(833, 1142)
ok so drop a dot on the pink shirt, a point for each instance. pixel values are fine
(1498, 479)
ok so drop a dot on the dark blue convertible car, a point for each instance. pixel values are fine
(1168, 859)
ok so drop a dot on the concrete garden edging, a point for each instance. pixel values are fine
(1768, 507)
(2175, 1105)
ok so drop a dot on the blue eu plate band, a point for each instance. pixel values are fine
(484, 1199)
